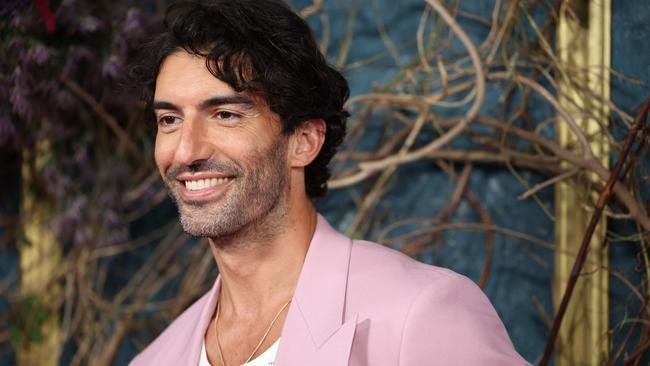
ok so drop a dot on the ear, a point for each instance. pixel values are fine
(306, 142)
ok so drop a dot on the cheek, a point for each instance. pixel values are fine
(163, 153)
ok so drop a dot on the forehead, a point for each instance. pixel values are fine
(183, 75)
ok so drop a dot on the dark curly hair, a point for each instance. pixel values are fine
(261, 47)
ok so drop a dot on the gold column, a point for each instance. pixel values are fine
(583, 46)
(40, 259)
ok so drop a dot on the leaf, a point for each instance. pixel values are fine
(28, 326)
(16, 336)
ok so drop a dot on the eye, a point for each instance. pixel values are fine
(226, 115)
(168, 121)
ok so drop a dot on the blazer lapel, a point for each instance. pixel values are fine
(193, 351)
(314, 331)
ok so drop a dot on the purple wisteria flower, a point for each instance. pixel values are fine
(37, 55)
(112, 68)
(120, 46)
(8, 133)
(83, 236)
(133, 22)
(89, 24)
(24, 21)
(90, 47)
(19, 95)
(77, 55)
(71, 218)
(55, 181)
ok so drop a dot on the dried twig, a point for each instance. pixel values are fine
(312, 9)
(595, 218)
(368, 168)
(558, 178)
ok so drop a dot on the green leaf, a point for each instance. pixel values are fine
(28, 326)
(16, 336)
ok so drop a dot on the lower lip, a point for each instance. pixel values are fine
(205, 194)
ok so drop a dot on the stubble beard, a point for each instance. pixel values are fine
(253, 205)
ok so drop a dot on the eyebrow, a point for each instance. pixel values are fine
(208, 103)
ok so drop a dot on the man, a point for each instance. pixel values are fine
(249, 115)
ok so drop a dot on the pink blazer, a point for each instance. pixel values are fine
(359, 303)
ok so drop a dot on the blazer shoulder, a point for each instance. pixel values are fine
(443, 320)
(383, 283)
(174, 338)
(421, 313)
(396, 270)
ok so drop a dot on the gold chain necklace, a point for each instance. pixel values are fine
(216, 334)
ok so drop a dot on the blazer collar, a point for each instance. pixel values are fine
(194, 351)
(314, 330)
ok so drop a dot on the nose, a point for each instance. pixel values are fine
(193, 146)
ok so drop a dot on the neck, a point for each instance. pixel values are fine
(262, 264)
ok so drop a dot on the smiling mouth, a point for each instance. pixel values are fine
(199, 184)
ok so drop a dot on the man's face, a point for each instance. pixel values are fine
(221, 154)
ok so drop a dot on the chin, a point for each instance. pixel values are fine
(208, 226)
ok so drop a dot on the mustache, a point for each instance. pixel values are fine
(213, 166)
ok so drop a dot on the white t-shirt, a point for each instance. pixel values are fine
(265, 359)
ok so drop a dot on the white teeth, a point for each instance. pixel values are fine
(195, 185)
